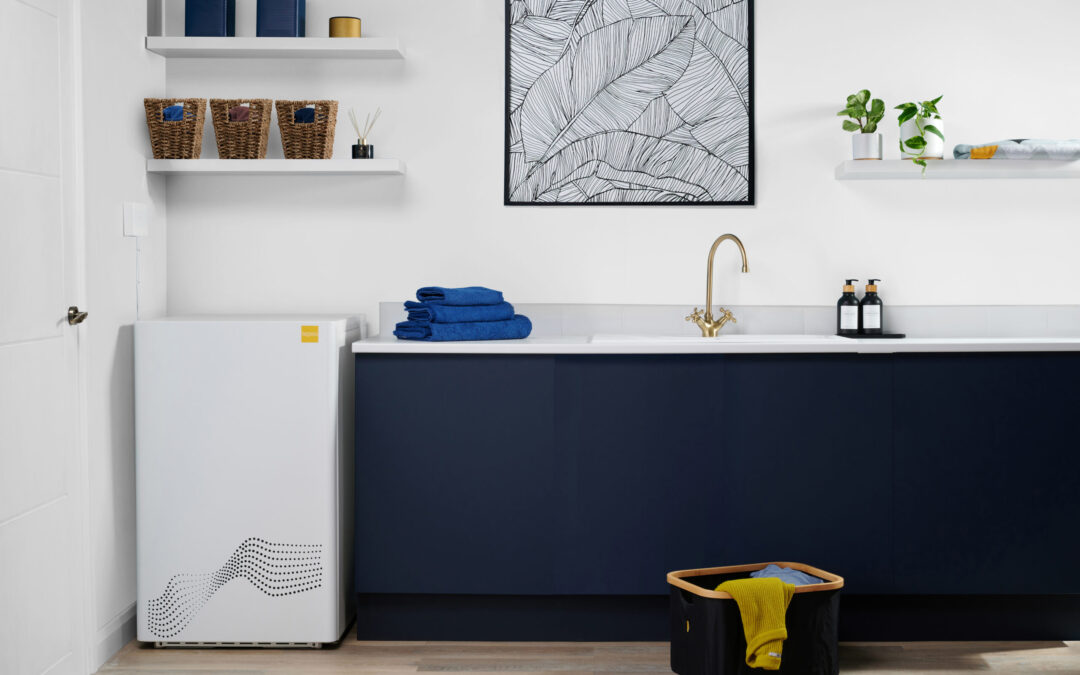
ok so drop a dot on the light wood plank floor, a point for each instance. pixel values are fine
(578, 658)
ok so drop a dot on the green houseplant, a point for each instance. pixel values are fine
(863, 115)
(921, 131)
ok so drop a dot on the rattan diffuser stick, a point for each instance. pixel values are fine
(369, 123)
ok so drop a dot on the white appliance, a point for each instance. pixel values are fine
(244, 479)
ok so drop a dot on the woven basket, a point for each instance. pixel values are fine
(180, 139)
(241, 140)
(307, 141)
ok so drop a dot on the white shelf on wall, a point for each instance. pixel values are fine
(276, 47)
(902, 169)
(279, 167)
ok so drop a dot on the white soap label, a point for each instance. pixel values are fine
(849, 317)
(871, 317)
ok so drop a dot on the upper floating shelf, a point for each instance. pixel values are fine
(896, 169)
(280, 167)
(276, 47)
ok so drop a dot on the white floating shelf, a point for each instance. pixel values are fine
(902, 169)
(279, 167)
(276, 47)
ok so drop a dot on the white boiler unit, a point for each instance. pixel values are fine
(244, 479)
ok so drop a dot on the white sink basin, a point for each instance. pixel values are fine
(670, 339)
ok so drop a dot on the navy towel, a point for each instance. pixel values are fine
(173, 113)
(304, 116)
(471, 295)
(435, 313)
(514, 329)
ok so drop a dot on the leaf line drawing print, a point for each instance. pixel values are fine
(629, 101)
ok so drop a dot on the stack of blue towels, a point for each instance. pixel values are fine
(450, 314)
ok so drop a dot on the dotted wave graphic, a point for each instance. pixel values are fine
(275, 569)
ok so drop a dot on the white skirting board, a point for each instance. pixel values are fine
(111, 637)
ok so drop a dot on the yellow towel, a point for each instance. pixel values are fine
(763, 604)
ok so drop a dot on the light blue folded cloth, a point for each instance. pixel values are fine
(470, 295)
(514, 329)
(173, 113)
(1022, 148)
(787, 575)
(436, 313)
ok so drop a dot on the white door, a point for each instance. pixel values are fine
(42, 514)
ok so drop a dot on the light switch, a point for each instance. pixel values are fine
(136, 219)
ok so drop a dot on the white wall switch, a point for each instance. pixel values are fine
(136, 219)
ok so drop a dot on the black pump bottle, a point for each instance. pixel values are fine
(871, 310)
(847, 311)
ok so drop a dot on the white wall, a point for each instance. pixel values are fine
(280, 244)
(117, 73)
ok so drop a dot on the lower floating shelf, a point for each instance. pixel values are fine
(279, 167)
(902, 169)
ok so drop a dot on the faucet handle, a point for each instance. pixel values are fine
(696, 315)
(726, 316)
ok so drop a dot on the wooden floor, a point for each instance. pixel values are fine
(569, 658)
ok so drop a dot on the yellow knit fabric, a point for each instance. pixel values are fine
(763, 604)
(985, 152)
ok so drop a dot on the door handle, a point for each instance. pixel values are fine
(75, 317)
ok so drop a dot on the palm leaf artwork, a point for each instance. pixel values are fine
(628, 102)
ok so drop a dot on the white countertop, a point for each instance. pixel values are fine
(727, 344)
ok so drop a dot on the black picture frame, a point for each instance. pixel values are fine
(751, 162)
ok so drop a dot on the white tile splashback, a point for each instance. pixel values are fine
(557, 320)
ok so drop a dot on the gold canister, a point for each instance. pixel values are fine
(344, 27)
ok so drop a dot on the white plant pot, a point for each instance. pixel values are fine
(935, 147)
(866, 146)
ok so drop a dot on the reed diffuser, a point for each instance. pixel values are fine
(363, 149)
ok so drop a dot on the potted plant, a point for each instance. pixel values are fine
(867, 143)
(921, 132)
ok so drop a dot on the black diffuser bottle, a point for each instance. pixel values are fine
(871, 311)
(847, 311)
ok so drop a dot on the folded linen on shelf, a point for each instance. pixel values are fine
(437, 313)
(470, 295)
(1021, 148)
(513, 329)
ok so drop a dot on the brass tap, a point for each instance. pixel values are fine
(709, 325)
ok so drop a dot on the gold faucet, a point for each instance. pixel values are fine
(710, 326)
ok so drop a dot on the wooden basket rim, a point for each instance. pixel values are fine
(677, 578)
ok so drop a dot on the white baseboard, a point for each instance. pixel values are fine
(111, 637)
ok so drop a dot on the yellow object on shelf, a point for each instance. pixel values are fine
(344, 27)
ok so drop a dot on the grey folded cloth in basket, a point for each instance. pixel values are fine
(1021, 148)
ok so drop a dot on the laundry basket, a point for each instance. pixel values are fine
(706, 628)
(239, 138)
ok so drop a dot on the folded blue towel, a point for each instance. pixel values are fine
(304, 116)
(471, 295)
(173, 113)
(514, 329)
(787, 575)
(435, 313)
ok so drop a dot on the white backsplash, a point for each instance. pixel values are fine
(553, 320)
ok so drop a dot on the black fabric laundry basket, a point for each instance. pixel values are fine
(707, 634)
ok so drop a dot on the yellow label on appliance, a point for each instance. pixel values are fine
(309, 333)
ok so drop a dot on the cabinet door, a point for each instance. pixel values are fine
(987, 460)
(806, 473)
(455, 476)
(638, 436)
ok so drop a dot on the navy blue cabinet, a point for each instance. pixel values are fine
(987, 460)
(639, 439)
(458, 489)
(806, 475)
(595, 475)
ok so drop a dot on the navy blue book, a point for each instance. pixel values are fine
(280, 18)
(210, 18)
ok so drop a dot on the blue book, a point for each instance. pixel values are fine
(280, 18)
(210, 18)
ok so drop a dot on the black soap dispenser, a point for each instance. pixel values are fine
(871, 310)
(847, 311)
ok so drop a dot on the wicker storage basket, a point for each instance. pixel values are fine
(243, 139)
(179, 139)
(314, 140)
